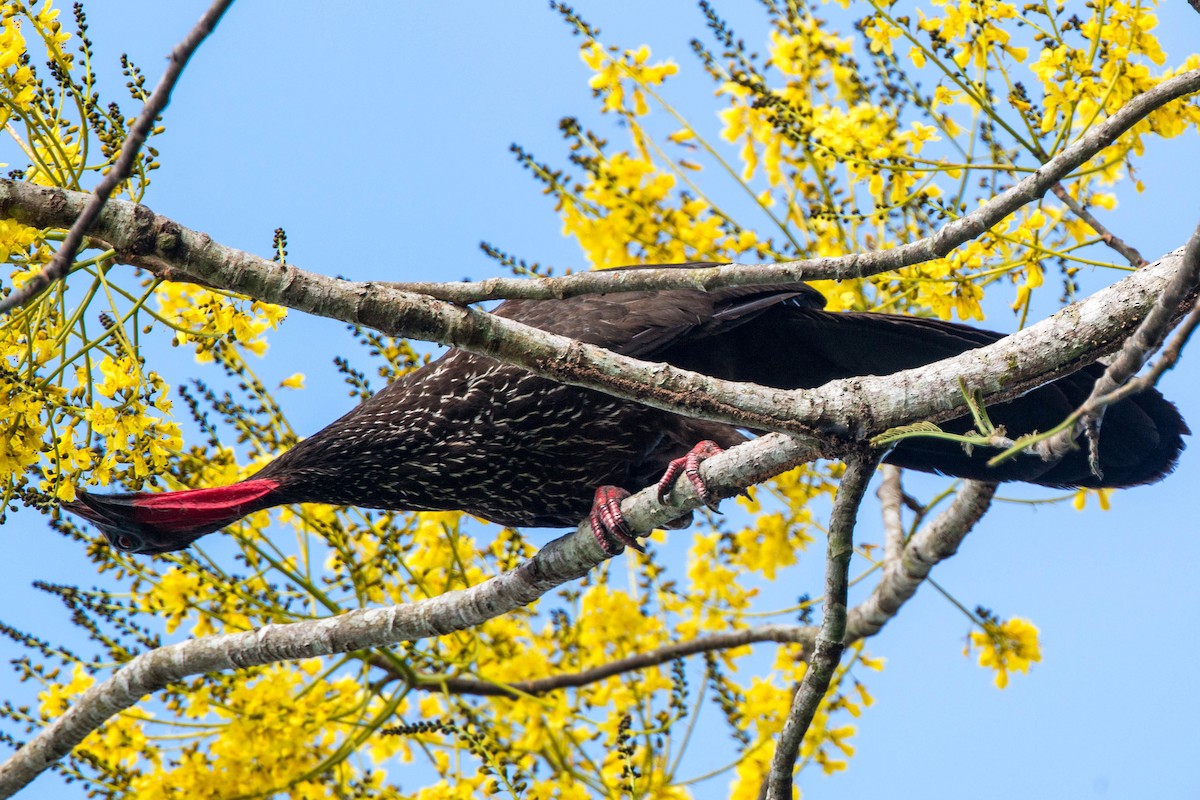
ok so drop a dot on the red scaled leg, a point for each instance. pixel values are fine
(689, 465)
(608, 523)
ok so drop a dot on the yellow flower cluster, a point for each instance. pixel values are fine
(206, 318)
(255, 749)
(16, 240)
(1105, 72)
(139, 439)
(57, 697)
(58, 435)
(623, 82)
(641, 221)
(826, 744)
(16, 80)
(975, 30)
(79, 399)
(1007, 647)
(23, 426)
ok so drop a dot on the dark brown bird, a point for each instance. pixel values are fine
(469, 433)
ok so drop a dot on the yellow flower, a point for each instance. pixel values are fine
(1007, 647)
(880, 34)
(121, 375)
(1102, 497)
(55, 699)
(15, 238)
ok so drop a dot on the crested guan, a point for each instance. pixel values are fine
(469, 433)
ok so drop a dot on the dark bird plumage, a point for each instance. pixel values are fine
(469, 433)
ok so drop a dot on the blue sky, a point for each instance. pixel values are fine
(378, 137)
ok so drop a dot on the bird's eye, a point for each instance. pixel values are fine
(124, 543)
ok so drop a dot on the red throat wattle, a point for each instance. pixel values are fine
(196, 507)
(141, 522)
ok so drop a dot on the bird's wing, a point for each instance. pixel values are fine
(644, 324)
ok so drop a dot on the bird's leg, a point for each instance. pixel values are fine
(689, 465)
(608, 523)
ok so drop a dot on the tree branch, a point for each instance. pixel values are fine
(1134, 354)
(891, 495)
(1130, 253)
(564, 559)
(832, 417)
(1170, 355)
(859, 265)
(173, 252)
(831, 639)
(936, 541)
(561, 560)
(783, 634)
(170, 251)
(65, 256)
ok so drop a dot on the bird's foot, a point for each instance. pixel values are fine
(689, 465)
(608, 523)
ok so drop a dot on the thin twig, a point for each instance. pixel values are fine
(1130, 252)
(858, 265)
(831, 639)
(796, 634)
(1167, 360)
(120, 170)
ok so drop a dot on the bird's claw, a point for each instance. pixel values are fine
(689, 465)
(608, 523)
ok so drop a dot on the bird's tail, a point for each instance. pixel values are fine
(1139, 441)
(149, 522)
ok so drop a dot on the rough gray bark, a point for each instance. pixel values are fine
(831, 638)
(1135, 352)
(832, 417)
(123, 166)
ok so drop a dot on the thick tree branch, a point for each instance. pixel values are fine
(563, 559)
(833, 416)
(170, 251)
(1135, 352)
(831, 639)
(123, 166)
